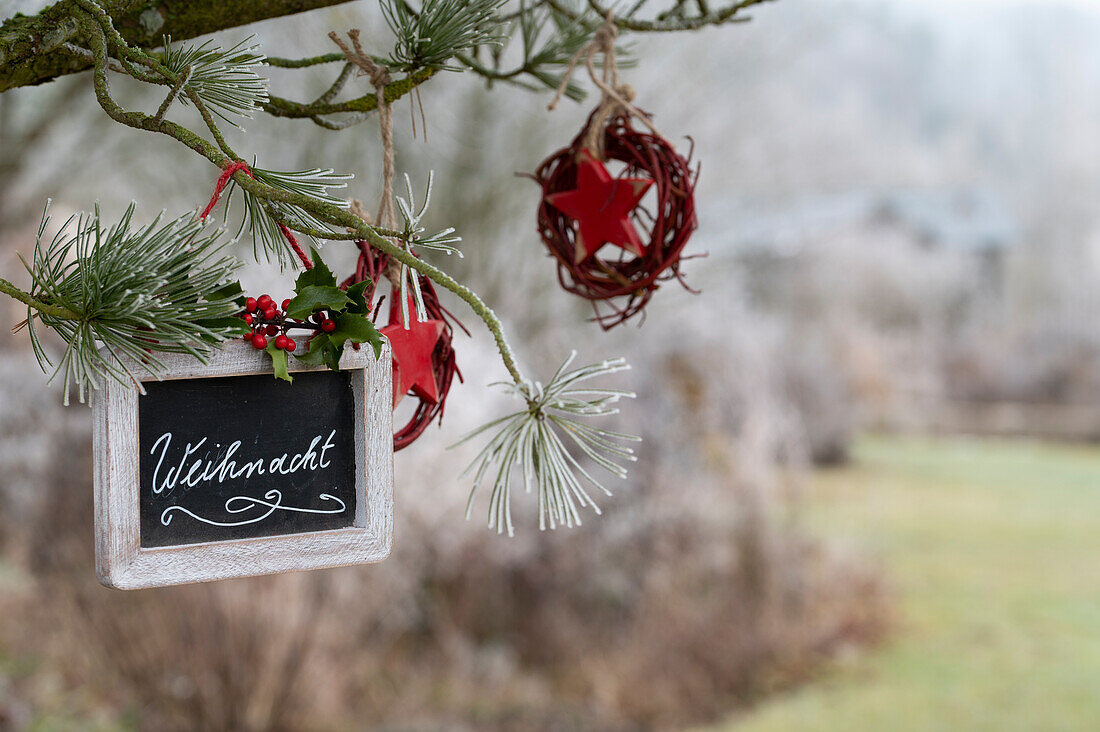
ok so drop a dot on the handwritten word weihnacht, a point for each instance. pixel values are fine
(193, 469)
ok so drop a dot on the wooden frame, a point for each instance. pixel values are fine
(122, 563)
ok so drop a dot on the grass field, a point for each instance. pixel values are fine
(993, 552)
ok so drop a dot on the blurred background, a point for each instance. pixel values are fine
(869, 492)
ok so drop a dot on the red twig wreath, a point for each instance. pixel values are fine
(623, 282)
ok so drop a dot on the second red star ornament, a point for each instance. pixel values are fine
(601, 206)
(616, 237)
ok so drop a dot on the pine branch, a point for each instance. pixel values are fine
(262, 217)
(280, 107)
(549, 39)
(440, 30)
(129, 291)
(304, 63)
(672, 21)
(225, 80)
(329, 213)
(30, 301)
(532, 441)
(323, 211)
(414, 238)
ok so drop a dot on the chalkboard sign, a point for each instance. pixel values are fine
(244, 456)
(220, 470)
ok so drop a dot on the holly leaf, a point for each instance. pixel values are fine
(331, 354)
(316, 297)
(319, 276)
(327, 348)
(359, 302)
(229, 326)
(357, 329)
(233, 291)
(312, 357)
(280, 361)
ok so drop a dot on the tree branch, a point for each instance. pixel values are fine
(279, 107)
(325, 212)
(31, 47)
(669, 23)
(25, 297)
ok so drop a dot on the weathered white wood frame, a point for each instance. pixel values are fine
(122, 563)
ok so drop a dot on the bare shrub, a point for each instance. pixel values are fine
(669, 622)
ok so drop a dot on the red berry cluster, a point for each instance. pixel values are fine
(269, 320)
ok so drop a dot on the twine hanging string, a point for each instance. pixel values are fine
(372, 264)
(379, 77)
(617, 99)
(219, 188)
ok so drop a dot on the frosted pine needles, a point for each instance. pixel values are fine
(536, 440)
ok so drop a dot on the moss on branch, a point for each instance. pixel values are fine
(31, 46)
(279, 107)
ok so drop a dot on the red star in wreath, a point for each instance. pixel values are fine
(601, 206)
(412, 355)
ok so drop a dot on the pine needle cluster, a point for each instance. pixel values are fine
(133, 292)
(533, 442)
(440, 30)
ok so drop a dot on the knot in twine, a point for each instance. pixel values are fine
(219, 188)
(616, 98)
(379, 77)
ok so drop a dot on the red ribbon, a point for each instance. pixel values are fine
(219, 187)
(223, 181)
(295, 246)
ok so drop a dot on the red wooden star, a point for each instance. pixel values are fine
(412, 355)
(601, 206)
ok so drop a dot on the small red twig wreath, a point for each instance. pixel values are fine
(373, 264)
(624, 283)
